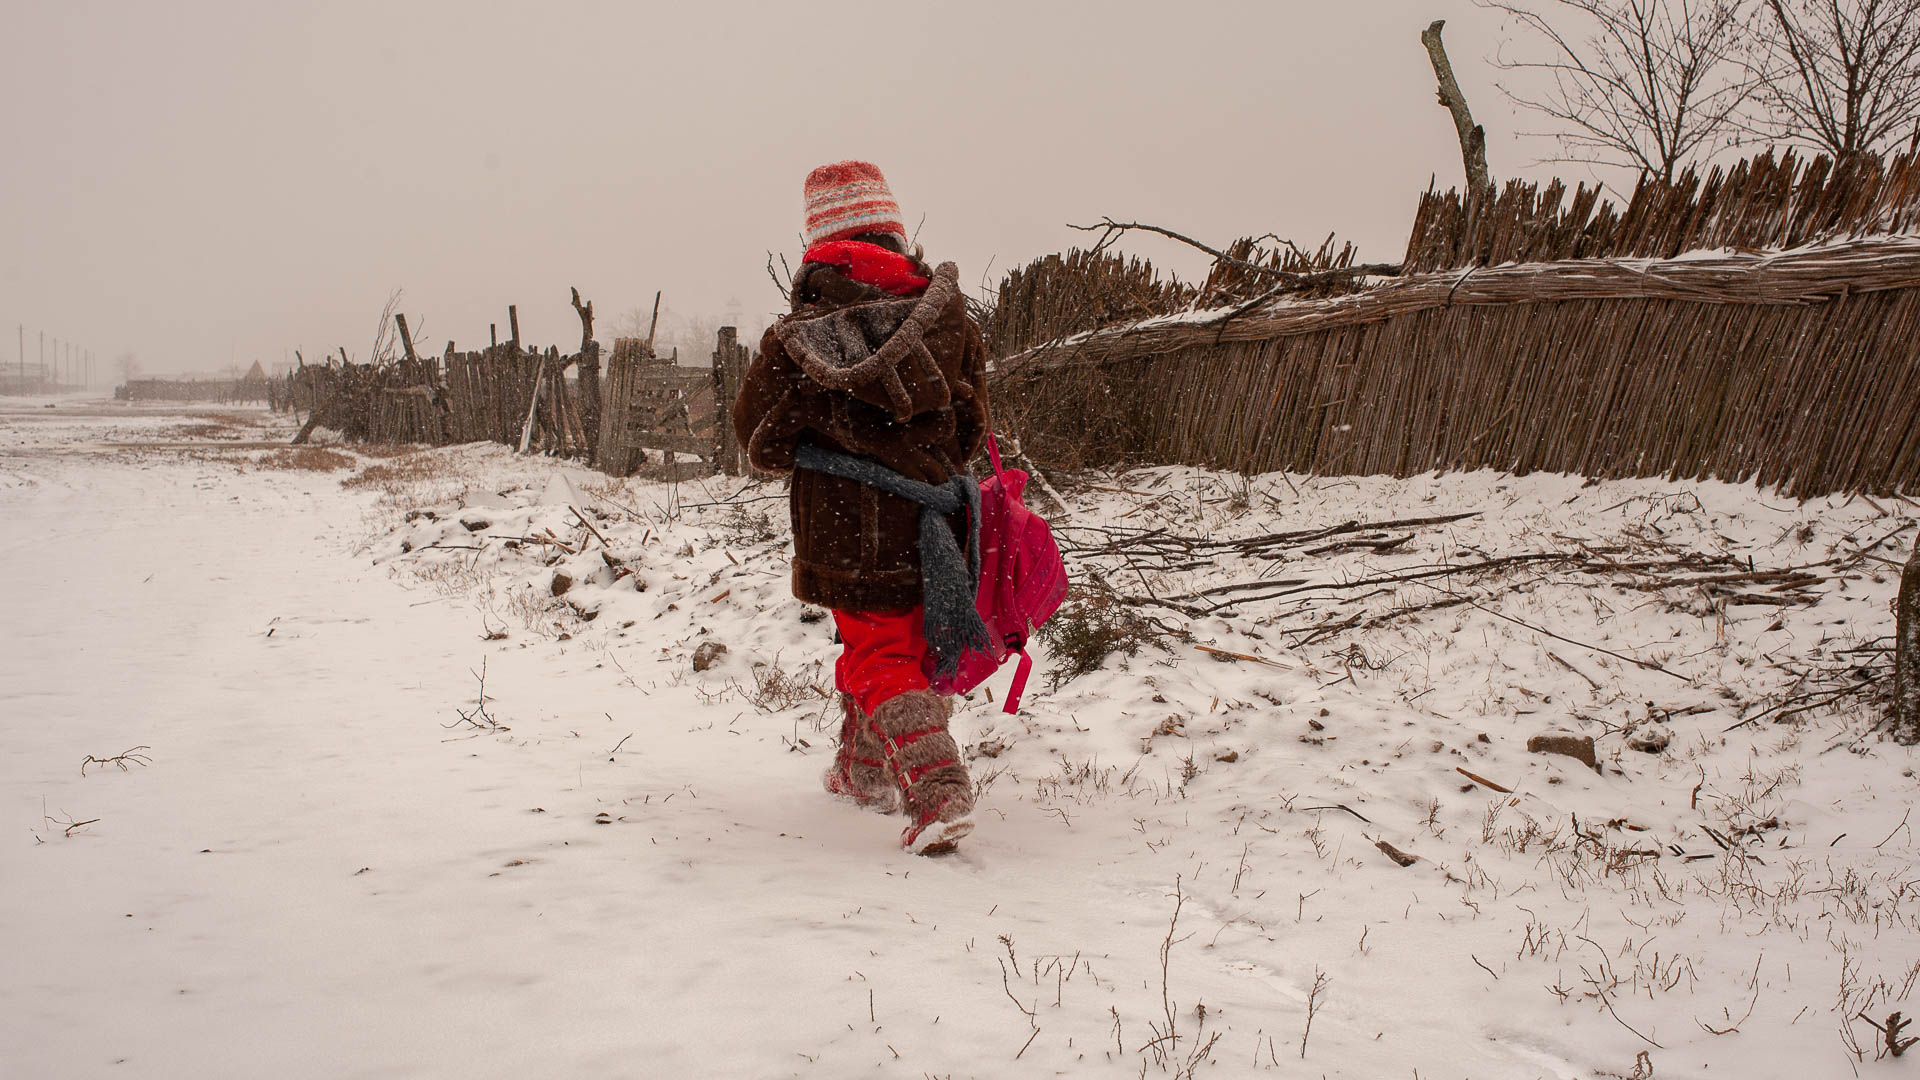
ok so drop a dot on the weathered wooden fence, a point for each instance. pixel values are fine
(652, 404)
(224, 391)
(533, 400)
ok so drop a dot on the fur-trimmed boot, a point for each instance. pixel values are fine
(924, 761)
(859, 769)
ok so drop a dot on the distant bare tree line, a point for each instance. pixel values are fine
(1652, 85)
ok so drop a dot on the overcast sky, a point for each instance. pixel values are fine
(210, 183)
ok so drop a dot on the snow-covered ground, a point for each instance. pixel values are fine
(319, 858)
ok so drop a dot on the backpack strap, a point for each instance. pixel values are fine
(1019, 684)
(993, 453)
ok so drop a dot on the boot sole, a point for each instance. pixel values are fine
(941, 837)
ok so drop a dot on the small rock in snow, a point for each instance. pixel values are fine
(1578, 747)
(561, 583)
(1394, 853)
(706, 653)
(1650, 738)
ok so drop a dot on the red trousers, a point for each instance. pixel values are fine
(880, 655)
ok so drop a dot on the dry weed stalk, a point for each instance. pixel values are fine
(65, 822)
(120, 760)
(1320, 983)
(1165, 1044)
(477, 717)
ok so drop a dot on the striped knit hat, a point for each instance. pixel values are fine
(848, 198)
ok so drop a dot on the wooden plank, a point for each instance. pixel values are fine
(700, 446)
(677, 380)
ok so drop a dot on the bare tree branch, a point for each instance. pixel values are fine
(1842, 76)
(1646, 85)
(1111, 230)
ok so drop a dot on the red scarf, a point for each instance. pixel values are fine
(870, 264)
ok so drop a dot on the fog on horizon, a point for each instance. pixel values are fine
(209, 184)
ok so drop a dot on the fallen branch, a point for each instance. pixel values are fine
(120, 760)
(1483, 781)
(1228, 654)
(1634, 660)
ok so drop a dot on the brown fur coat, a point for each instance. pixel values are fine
(901, 380)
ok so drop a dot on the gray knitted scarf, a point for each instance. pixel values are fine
(948, 581)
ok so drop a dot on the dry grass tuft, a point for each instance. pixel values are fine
(1087, 629)
(306, 459)
(203, 431)
(415, 479)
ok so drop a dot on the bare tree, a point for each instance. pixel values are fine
(1646, 85)
(1840, 75)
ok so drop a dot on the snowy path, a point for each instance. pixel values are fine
(324, 873)
(314, 877)
(216, 918)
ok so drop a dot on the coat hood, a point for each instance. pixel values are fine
(876, 349)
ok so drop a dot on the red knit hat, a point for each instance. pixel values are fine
(848, 198)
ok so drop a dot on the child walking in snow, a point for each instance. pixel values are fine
(878, 374)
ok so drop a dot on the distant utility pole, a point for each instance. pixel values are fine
(23, 354)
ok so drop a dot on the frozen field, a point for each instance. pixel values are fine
(255, 823)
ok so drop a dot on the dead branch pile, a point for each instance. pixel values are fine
(1327, 601)
(1328, 588)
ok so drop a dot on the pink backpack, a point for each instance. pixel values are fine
(1022, 581)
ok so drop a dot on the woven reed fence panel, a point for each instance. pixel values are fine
(1058, 295)
(1800, 370)
(1764, 202)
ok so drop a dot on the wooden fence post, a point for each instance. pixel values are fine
(616, 455)
(406, 337)
(729, 371)
(723, 439)
(591, 438)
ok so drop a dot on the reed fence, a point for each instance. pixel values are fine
(1798, 368)
(1765, 202)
